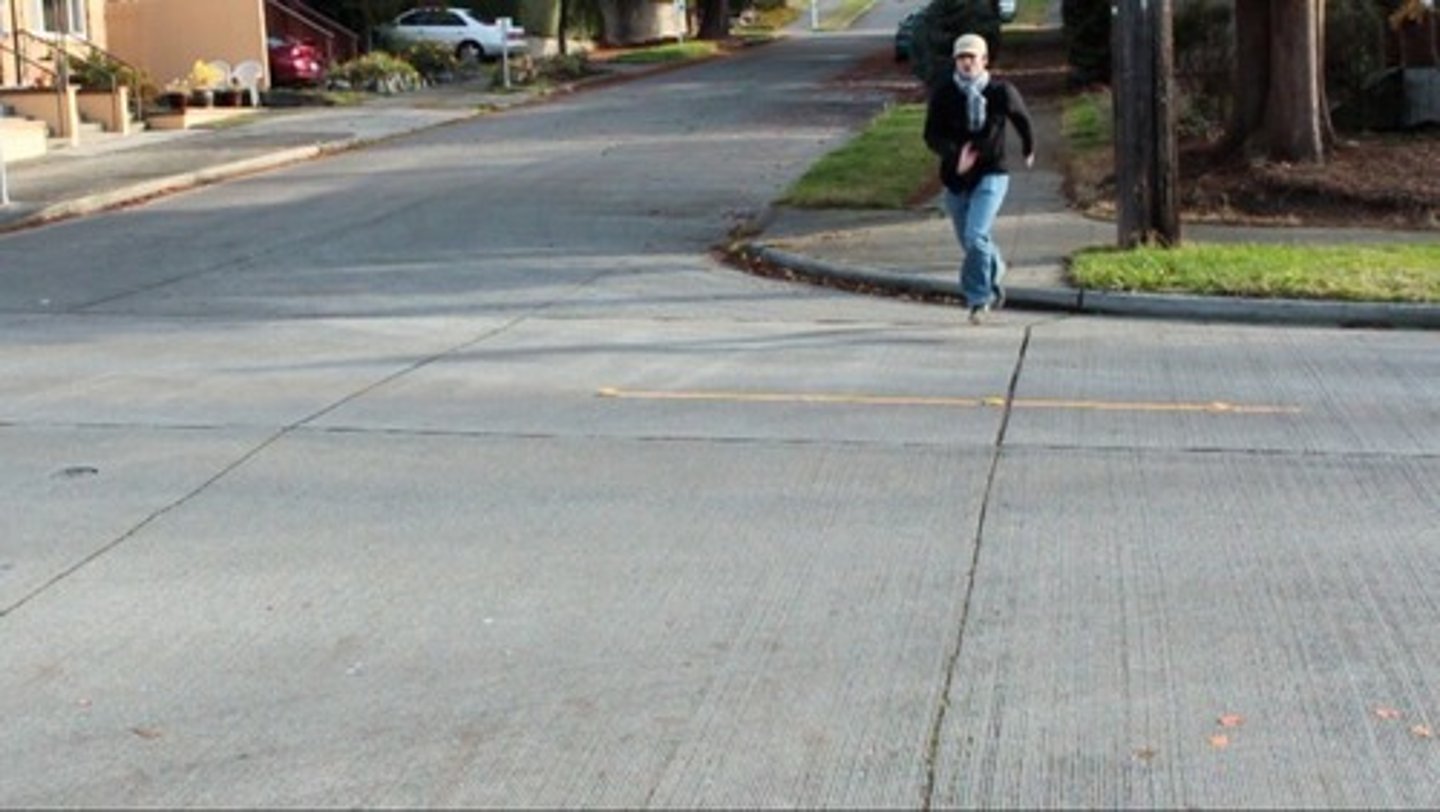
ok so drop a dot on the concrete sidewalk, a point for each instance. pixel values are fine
(114, 170)
(902, 252)
(915, 252)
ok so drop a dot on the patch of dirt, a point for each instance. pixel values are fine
(1383, 180)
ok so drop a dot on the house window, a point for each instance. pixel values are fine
(54, 16)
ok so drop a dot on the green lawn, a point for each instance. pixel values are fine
(843, 17)
(882, 167)
(669, 52)
(1031, 12)
(1380, 273)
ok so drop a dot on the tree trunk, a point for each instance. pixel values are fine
(1280, 109)
(1251, 79)
(1434, 40)
(1328, 138)
(627, 22)
(714, 19)
(1292, 130)
(562, 41)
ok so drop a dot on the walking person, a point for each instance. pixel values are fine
(965, 125)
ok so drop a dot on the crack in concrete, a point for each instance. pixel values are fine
(274, 437)
(932, 750)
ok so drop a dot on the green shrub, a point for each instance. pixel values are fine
(940, 23)
(433, 60)
(1087, 40)
(564, 68)
(1204, 59)
(378, 71)
(99, 71)
(490, 10)
(1087, 121)
(584, 19)
(1355, 32)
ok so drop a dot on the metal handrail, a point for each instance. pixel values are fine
(59, 48)
(57, 78)
(132, 71)
(320, 19)
(325, 27)
(21, 54)
(40, 66)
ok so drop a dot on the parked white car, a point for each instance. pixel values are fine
(471, 37)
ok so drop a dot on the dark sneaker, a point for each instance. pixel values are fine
(999, 296)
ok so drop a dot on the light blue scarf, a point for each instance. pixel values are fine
(974, 90)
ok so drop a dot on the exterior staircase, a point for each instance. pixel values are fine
(36, 115)
(297, 19)
(22, 138)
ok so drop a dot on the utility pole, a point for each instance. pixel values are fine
(4, 174)
(1146, 156)
(505, 50)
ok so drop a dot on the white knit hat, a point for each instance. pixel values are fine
(970, 44)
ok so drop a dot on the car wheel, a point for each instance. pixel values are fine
(469, 52)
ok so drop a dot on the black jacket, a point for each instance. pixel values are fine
(947, 129)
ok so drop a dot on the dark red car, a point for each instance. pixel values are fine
(293, 62)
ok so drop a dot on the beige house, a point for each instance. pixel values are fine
(166, 37)
(29, 27)
(38, 101)
(162, 38)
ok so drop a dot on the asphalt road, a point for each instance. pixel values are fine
(454, 472)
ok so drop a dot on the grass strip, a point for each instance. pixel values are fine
(882, 167)
(669, 52)
(843, 17)
(1360, 272)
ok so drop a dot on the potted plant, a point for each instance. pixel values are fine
(177, 95)
(204, 79)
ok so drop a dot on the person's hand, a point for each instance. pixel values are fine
(968, 155)
(1030, 161)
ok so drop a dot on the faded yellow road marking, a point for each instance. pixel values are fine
(1212, 407)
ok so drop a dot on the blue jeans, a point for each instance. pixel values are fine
(972, 214)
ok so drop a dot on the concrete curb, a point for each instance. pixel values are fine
(89, 204)
(101, 201)
(1143, 305)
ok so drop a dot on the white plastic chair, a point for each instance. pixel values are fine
(246, 76)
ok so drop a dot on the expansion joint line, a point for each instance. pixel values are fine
(932, 751)
(246, 457)
(143, 523)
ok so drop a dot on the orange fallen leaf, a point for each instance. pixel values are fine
(1219, 741)
(1231, 720)
(1387, 713)
(1422, 732)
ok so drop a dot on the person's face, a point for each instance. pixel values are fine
(969, 64)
